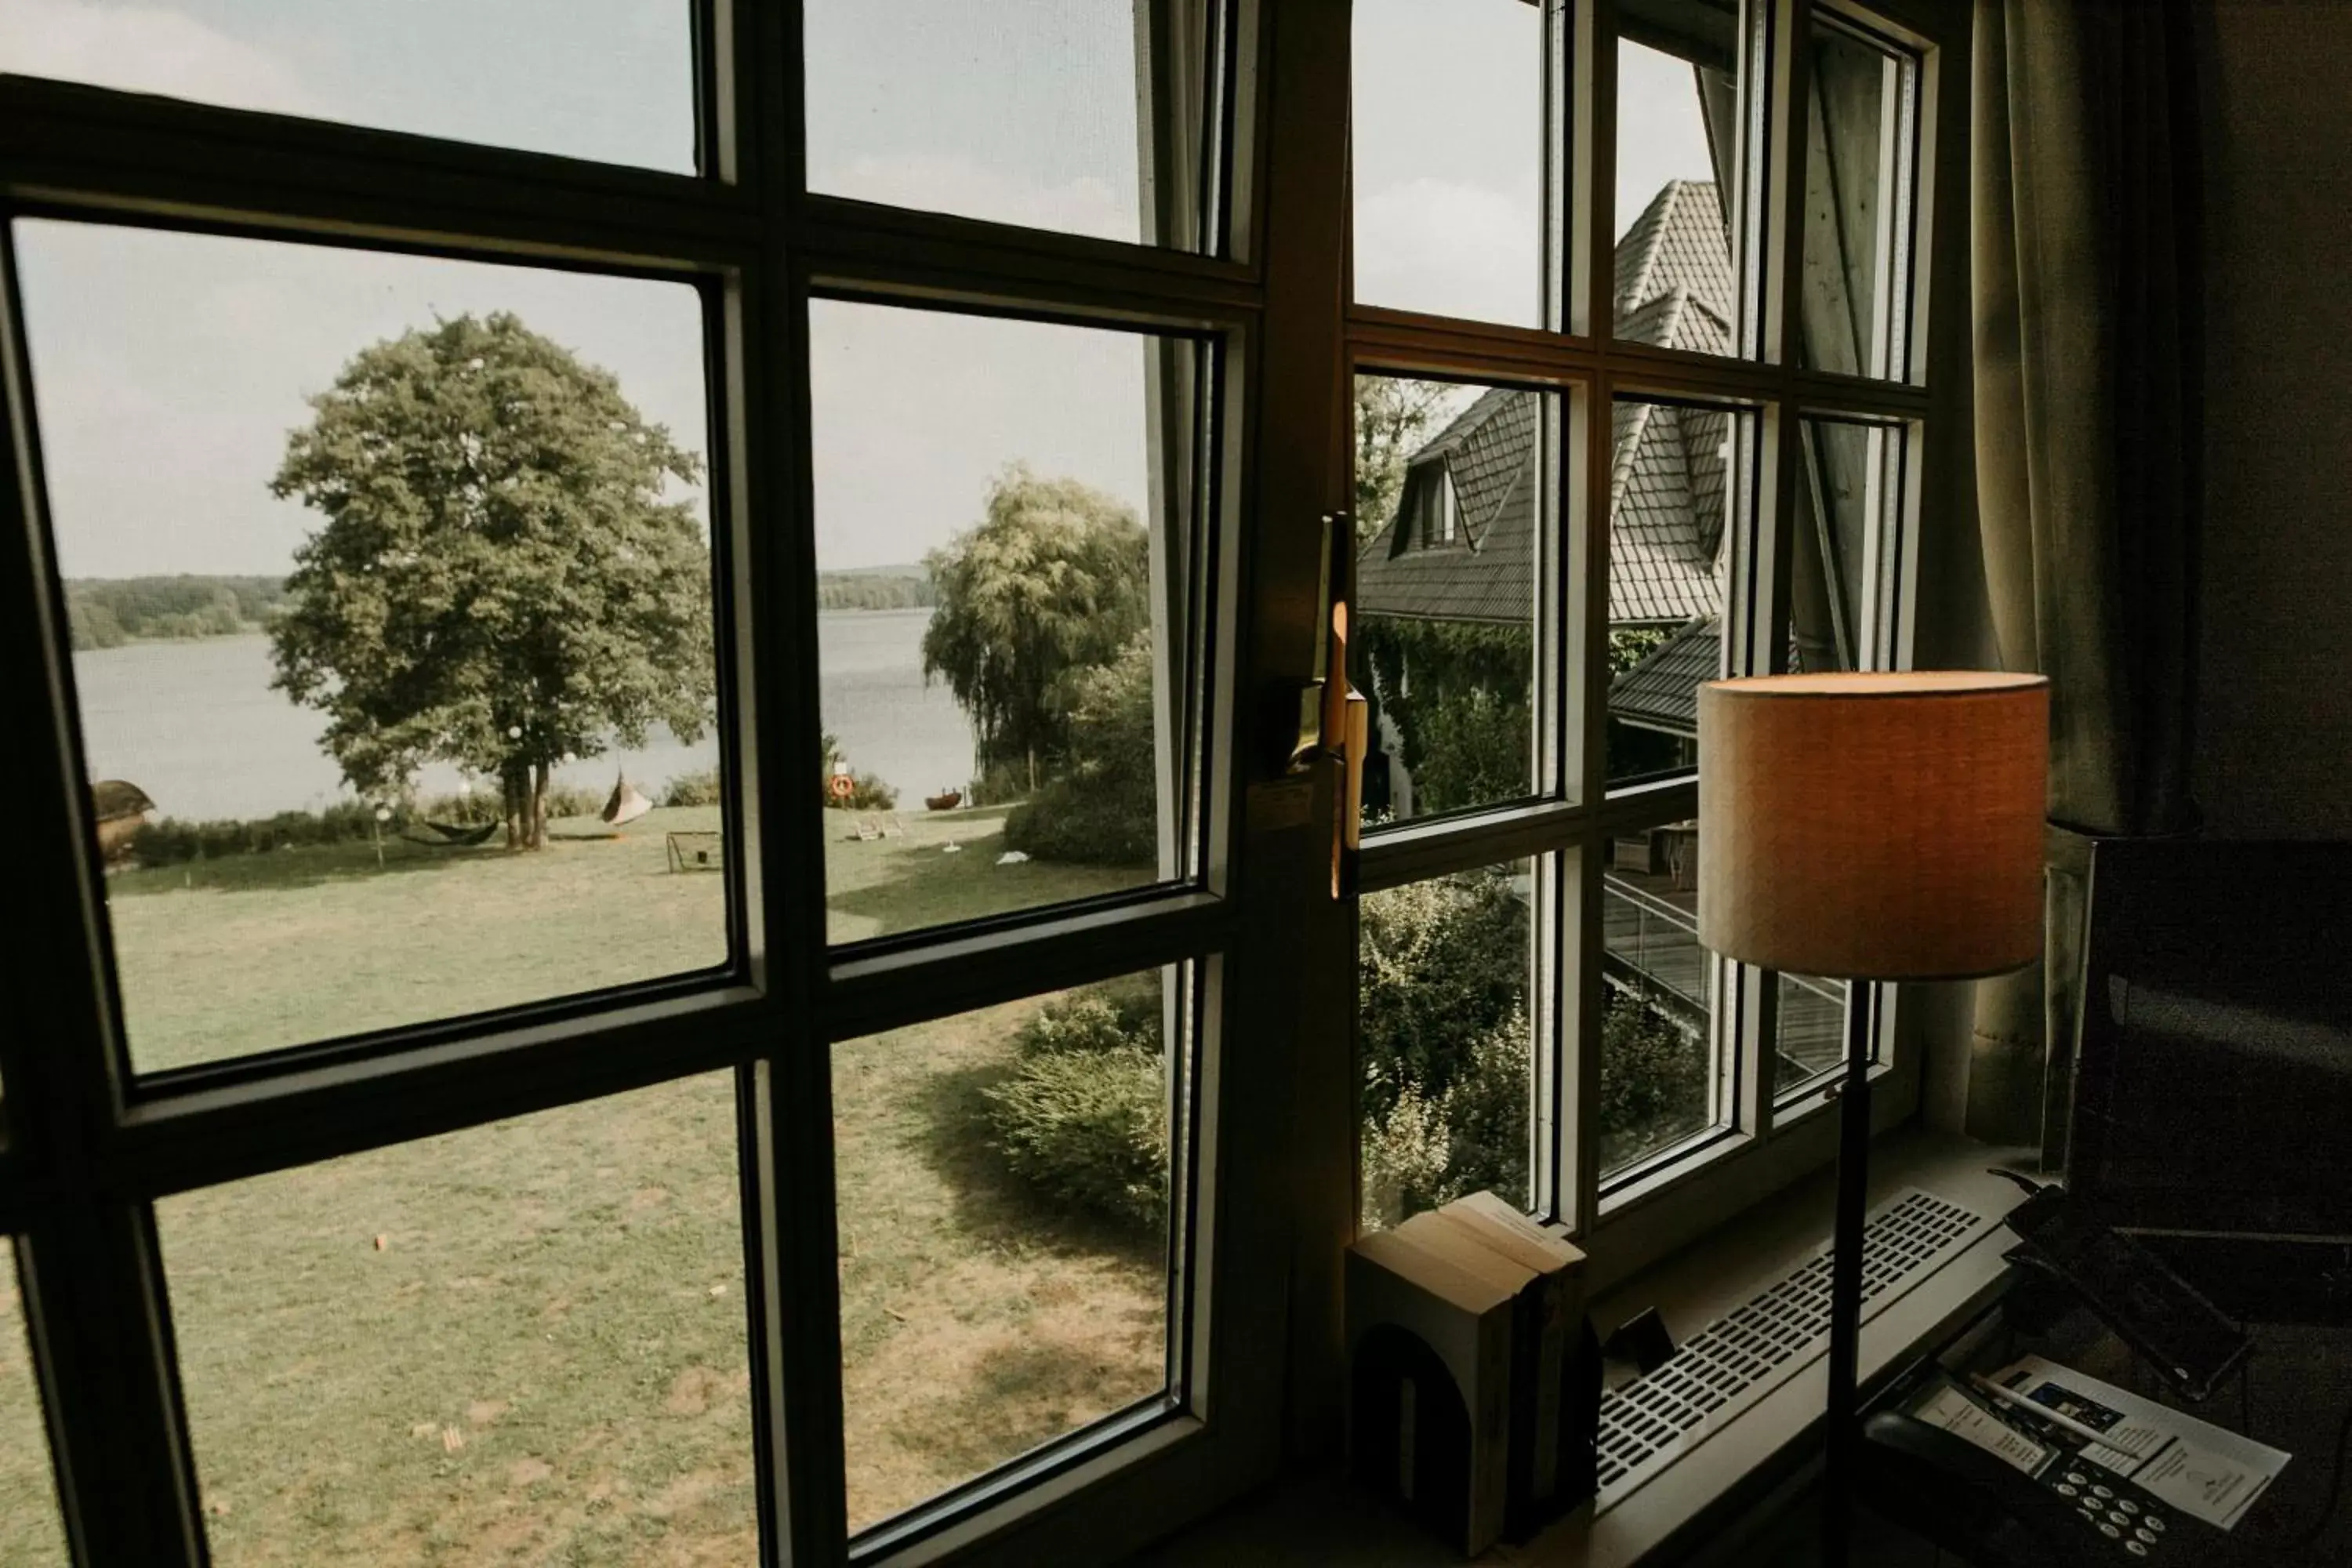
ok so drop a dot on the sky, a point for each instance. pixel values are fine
(169, 368)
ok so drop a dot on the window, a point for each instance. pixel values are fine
(1011, 1196)
(533, 1332)
(30, 1531)
(673, 672)
(339, 653)
(1713, 518)
(607, 80)
(632, 758)
(1454, 499)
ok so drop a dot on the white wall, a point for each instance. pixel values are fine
(2275, 714)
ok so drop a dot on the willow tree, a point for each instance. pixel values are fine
(1052, 582)
(503, 578)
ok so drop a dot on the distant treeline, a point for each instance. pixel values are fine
(106, 612)
(876, 588)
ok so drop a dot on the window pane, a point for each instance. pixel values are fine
(608, 80)
(31, 1533)
(1840, 618)
(527, 1337)
(361, 549)
(1677, 493)
(1453, 487)
(1004, 537)
(1004, 1186)
(1858, 133)
(1073, 115)
(1678, 102)
(1443, 975)
(1447, 137)
(1659, 1071)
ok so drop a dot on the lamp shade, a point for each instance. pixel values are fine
(1873, 826)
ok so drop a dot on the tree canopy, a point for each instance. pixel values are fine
(1054, 581)
(1394, 419)
(501, 581)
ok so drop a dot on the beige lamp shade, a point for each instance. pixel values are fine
(1873, 826)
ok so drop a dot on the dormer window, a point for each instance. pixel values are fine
(1441, 512)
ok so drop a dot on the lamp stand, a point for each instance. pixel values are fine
(1844, 1421)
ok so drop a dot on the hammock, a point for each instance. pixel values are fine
(457, 835)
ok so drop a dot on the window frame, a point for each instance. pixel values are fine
(1764, 1139)
(89, 1146)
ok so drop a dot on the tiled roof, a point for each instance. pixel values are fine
(1662, 692)
(1487, 573)
(1666, 484)
(1676, 243)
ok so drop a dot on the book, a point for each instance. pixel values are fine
(1429, 1335)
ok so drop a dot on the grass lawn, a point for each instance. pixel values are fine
(525, 1341)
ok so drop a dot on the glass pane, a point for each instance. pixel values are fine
(525, 1339)
(1659, 1083)
(31, 1533)
(1452, 499)
(609, 80)
(1004, 1187)
(1447, 136)
(1858, 133)
(1840, 620)
(1811, 1037)
(1678, 135)
(390, 587)
(1001, 546)
(1447, 1031)
(1676, 496)
(1073, 115)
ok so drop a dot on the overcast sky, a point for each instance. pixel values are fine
(169, 368)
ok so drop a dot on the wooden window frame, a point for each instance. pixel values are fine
(1764, 1139)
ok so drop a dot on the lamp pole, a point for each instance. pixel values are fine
(1845, 1277)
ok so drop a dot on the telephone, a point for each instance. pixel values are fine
(1990, 1489)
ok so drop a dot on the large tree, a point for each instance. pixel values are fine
(1054, 581)
(503, 578)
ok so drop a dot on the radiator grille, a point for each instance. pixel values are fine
(1742, 1356)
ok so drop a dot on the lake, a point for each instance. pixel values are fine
(196, 724)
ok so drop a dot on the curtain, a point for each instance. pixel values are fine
(2085, 288)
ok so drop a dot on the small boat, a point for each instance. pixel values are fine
(946, 802)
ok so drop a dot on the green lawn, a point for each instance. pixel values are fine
(525, 1341)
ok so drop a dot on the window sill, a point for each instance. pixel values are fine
(1321, 1517)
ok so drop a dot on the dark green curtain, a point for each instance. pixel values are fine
(2085, 289)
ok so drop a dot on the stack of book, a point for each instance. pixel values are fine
(1476, 1381)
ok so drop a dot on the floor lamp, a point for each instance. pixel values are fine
(1870, 827)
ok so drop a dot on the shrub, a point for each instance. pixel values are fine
(1084, 1118)
(1101, 806)
(1441, 978)
(1652, 1078)
(866, 791)
(1404, 1157)
(1089, 1127)
(1096, 1019)
(173, 840)
(693, 789)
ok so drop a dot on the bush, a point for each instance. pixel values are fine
(1085, 1116)
(1101, 806)
(866, 791)
(694, 789)
(1654, 1077)
(173, 840)
(1442, 976)
(1091, 1128)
